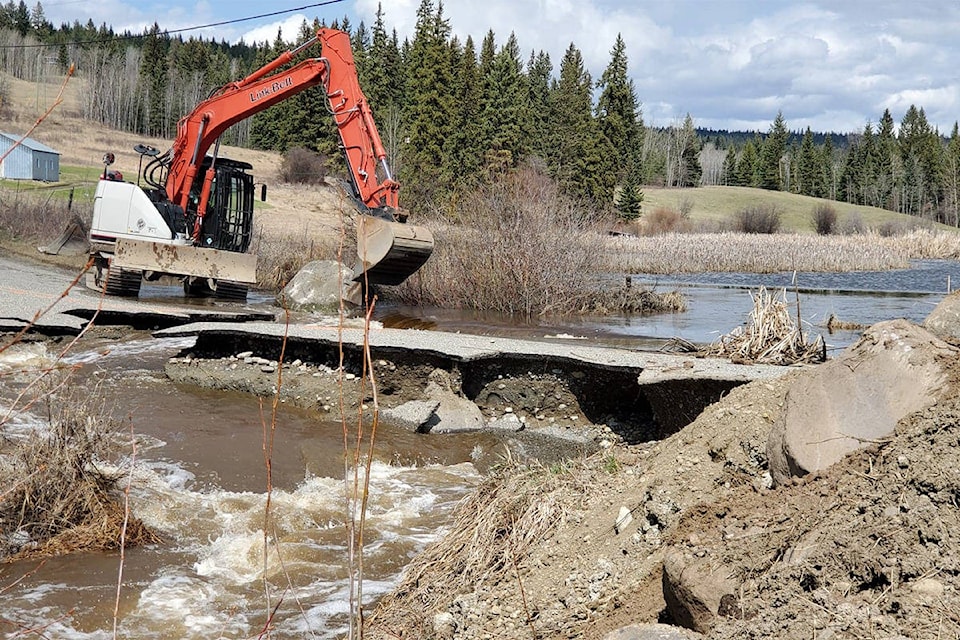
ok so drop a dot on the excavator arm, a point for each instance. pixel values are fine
(388, 251)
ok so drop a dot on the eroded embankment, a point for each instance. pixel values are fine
(432, 391)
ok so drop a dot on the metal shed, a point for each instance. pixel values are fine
(31, 160)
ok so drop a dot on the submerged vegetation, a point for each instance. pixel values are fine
(60, 492)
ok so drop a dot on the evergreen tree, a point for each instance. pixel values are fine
(505, 110)
(617, 109)
(430, 108)
(153, 76)
(747, 165)
(771, 154)
(461, 148)
(21, 18)
(809, 180)
(729, 172)
(630, 198)
(578, 149)
(952, 178)
(539, 72)
(690, 170)
(888, 163)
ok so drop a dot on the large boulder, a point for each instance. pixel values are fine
(454, 412)
(944, 320)
(846, 404)
(318, 286)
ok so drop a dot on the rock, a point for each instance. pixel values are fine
(652, 632)
(624, 518)
(318, 286)
(694, 590)
(928, 587)
(508, 422)
(413, 415)
(944, 320)
(444, 626)
(846, 404)
(454, 412)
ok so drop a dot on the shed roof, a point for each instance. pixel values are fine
(29, 143)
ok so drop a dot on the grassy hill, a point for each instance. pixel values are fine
(712, 206)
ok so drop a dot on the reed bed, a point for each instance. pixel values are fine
(770, 336)
(760, 253)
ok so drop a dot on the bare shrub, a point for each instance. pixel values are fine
(824, 218)
(58, 496)
(686, 206)
(39, 215)
(892, 228)
(853, 224)
(531, 251)
(760, 218)
(663, 220)
(302, 166)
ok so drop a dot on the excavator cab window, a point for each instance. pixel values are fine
(228, 222)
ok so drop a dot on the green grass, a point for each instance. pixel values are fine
(718, 205)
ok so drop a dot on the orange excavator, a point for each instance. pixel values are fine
(193, 217)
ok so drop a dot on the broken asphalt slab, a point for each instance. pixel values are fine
(54, 301)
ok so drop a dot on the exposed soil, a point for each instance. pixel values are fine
(868, 549)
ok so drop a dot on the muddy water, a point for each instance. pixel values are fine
(200, 482)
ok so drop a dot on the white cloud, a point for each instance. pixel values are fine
(289, 28)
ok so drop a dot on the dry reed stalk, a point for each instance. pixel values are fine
(508, 515)
(770, 336)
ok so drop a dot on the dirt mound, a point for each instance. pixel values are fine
(866, 549)
(871, 548)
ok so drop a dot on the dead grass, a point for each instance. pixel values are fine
(762, 253)
(771, 336)
(38, 216)
(508, 515)
(59, 497)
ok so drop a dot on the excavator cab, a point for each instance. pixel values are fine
(228, 223)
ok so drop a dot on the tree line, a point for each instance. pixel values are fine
(455, 114)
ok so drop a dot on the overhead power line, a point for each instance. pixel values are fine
(174, 31)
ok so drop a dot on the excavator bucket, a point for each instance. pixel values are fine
(390, 252)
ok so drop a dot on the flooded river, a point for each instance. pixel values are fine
(200, 475)
(200, 482)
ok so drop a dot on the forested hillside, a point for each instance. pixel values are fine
(454, 114)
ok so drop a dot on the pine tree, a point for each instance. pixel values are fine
(461, 148)
(888, 163)
(690, 170)
(578, 149)
(771, 154)
(429, 110)
(808, 177)
(952, 178)
(747, 165)
(539, 72)
(630, 198)
(505, 110)
(617, 109)
(153, 76)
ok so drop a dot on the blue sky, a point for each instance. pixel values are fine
(832, 65)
